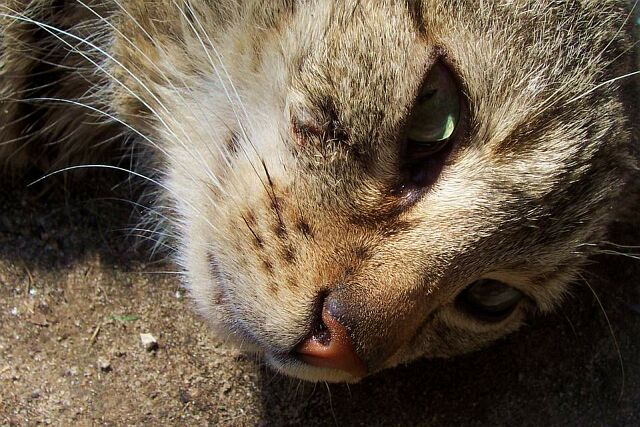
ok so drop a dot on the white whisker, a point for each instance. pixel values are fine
(221, 80)
(613, 335)
(157, 68)
(608, 82)
(161, 273)
(52, 30)
(117, 168)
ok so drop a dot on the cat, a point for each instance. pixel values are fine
(351, 184)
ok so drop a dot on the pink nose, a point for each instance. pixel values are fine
(331, 347)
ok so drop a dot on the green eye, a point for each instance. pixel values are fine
(437, 111)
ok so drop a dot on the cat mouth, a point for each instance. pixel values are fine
(325, 354)
(294, 365)
(310, 360)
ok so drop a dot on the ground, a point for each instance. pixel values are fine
(75, 295)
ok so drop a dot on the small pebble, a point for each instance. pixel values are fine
(149, 342)
(14, 311)
(184, 397)
(226, 387)
(35, 394)
(119, 352)
(104, 364)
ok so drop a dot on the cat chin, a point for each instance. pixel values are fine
(297, 369)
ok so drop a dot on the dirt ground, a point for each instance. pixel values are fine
(75, 297)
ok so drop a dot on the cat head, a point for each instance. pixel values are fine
(358, 184)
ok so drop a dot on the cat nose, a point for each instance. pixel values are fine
(331, 346)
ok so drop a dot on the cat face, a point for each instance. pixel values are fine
(358, 184)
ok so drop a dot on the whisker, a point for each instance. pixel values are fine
(613, 335)
(153, 63)
(221, 80)
(114, 119)
(117, 168)
(608, 82)
(624, 23)
(156, 242)
(597, 63)
(162, 273)
(219, 57)
(619, 245)
(333, 412)
(52, 30)
(149, 232)
(622, 254)
(151, 209)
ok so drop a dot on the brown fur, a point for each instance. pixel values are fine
(277, 129)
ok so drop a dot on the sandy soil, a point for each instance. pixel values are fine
(75, 297)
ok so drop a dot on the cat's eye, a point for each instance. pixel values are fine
(431, 128)
(490, 300)
(437, 111)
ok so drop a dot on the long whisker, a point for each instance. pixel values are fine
(613, 335)
(157, 243)
(153, 210)
(158, 238)
(152, 63)
(215, 69)
(229, 79)
(117, 168)
(212, 64)
(156, 213)
(553, 98)
(608, 82)
(52, 30)
(219, 57)
(116, 120)
(622, 254)
(619, 245)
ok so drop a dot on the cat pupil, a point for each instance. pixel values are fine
(428, 95)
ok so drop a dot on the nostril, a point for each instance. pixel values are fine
(329, 345)
(319, 330)
(321, 334)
